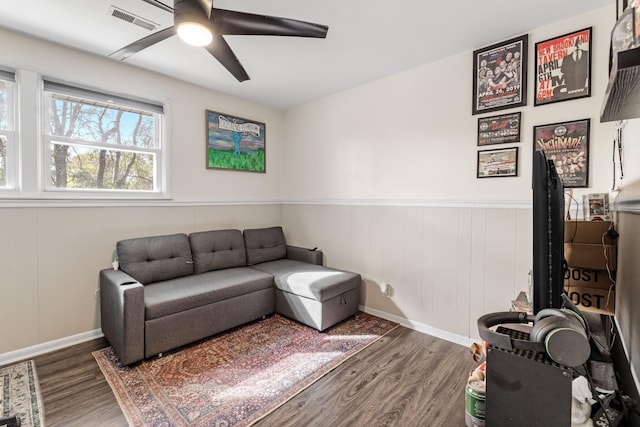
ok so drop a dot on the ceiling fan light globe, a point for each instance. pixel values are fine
(194, 33)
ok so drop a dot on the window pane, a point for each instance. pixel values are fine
(3, 161)
(90, 168)
(3, 105)
(96, 122)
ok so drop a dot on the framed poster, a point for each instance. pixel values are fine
(499, 129)
(235, 143)
(623, 35)
(567, 144)
(500, 76)
(497, 163)
(563, 67)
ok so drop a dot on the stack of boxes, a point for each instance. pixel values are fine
(590, 251)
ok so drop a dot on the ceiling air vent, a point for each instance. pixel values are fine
(130, 17)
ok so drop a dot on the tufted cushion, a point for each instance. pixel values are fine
(264, 244)
(156, 258)
(215, 250)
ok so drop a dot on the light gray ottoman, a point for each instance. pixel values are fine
(312, 294)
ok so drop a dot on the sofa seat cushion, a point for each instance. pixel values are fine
(216, 250)
(309, 280)
(177, 295)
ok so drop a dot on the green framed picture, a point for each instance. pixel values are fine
(235, 143)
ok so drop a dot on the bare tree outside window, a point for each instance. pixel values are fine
(3, 161)
(3, 138)
(3, 104)
(101, 146)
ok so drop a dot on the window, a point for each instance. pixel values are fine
(100, 142)
(7, 137)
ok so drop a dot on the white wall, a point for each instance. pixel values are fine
(412, 136)
(51, 251)
(628, 223)
(50, 259)
(190, 180)
(383, 178)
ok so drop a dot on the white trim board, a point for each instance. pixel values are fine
(489, 204)
(36, 350)
(90, 203)
(627, 206)
(421, 327)
(47, 347)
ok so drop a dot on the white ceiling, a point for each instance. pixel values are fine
(367, 39)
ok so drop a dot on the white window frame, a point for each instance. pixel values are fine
(10, 133)
(159, 111)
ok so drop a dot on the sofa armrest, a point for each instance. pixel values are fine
(122, 314)
(312, 256)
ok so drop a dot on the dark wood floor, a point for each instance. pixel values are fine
(405, 379)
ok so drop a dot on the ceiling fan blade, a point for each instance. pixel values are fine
(206, 5)
(229, 22)
(159, 4)
(221, 50)
(143, 43)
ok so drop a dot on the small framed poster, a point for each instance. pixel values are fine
(623, 35)
(500, 76)
(501, 129)
(497, 163)
(563, 67)
(234, 143)
(567, 144)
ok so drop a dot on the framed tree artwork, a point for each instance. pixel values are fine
(563, 67)
(500, 76)
(234, 143)
(567, 145)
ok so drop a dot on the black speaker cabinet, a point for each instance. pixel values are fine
(526, 388)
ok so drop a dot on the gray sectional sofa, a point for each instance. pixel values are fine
(176, 289)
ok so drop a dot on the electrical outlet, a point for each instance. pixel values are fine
(386, 291)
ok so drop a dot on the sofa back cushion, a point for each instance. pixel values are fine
(215, 250)
(264, 244)
(156, 258)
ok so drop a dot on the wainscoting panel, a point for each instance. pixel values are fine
(18, 278)
(50, 259)
(446, 265)
(628, 288)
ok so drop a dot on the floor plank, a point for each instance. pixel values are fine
(405, 379)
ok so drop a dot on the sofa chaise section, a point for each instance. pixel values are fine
(306, 291)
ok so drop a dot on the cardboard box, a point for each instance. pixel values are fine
(588, 278)
(590, 256)
(588, 232)
(593, 299)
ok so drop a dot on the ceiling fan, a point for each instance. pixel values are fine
(197, 22)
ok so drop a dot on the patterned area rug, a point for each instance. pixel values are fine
(20, 394)
(236, 378)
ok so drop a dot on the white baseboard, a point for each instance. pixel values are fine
(36, 350)
(421, 327)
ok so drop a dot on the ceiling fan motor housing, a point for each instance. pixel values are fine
(189, 11)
